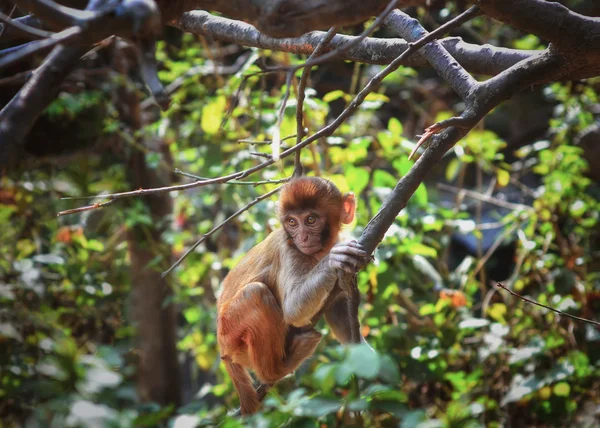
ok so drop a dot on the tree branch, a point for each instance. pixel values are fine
(550, 21)
(487, 59)
(283, 18)
(533, 302)
(438, 57)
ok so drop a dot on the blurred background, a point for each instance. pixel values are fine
(516, 201)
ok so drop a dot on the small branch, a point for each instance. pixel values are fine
(533, 302)
(263, 155)
(58, 15)
(485, 198)
(241, 183)
(264, 142)
(461, 122)
(276, 143)
(490, 252)
(32, 48)
(86, 208)
(23, 29)
(220, 226)
(300, 130)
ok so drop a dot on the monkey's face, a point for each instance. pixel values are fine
(307, 229)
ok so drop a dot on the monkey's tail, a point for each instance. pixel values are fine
(244, 386)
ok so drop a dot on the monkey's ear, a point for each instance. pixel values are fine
(348, 208)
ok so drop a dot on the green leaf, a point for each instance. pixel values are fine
(358, 178)
(358, 405)
(343, 373)
(452, 169)
(363, 361)
(95, 245)
(562, 389)
(503, 177)
(333, 95)
(325, 377)
(395, 126)
(419, 248)
(212, 115)
(389, 370)
(317, 407)
(420, 196)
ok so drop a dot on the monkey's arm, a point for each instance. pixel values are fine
(304, 296)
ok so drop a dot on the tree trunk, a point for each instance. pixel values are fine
(158, 377)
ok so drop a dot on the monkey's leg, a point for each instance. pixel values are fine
(301, 347)
(249, 402)
(338, 319)
(254, 320)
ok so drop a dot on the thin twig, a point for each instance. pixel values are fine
(525, 299)
(490, 252)
(263, 155)
(238, 93)
(9, 16)
(484, 198)
(276, 143)
(34, 47)
(220, 226)
(264, 142)
(87, 208)
(31, 32)
(301, 131)
(242, 183)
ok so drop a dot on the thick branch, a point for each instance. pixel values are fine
(486, 59)
(438, 57)
(549, 20)
(283, 18)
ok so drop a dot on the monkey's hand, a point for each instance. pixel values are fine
(348, 256)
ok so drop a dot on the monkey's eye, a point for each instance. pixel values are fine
(311, 220)
(292, 222)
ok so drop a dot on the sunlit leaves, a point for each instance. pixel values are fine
(212, 115)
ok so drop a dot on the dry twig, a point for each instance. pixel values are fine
(533, 302)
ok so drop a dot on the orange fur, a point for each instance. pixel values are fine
(251, 330)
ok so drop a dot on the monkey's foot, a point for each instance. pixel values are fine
(261, 393)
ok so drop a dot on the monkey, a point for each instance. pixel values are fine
(271, 300)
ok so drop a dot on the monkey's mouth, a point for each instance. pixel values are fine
(310, 249)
